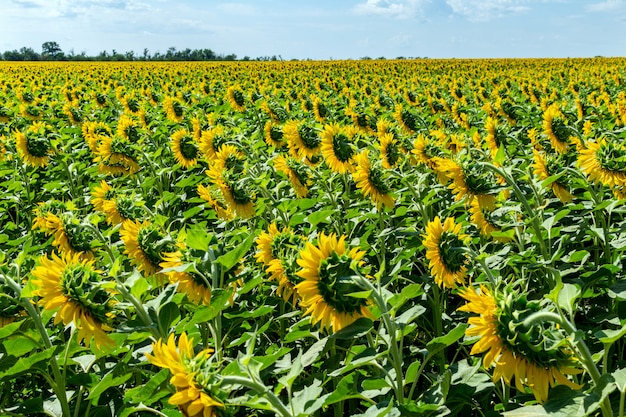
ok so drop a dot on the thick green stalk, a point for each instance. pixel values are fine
(261, 390)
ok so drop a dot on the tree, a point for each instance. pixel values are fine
(51, 50)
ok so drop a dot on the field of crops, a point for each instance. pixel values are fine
(359, 238)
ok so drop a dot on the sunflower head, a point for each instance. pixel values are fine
(273, 134)
(77, 289)
(445, 252)
(194, 376)
(236, 98)
(535, 356)
(327, 270)
(185, 149)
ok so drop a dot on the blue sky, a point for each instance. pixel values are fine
(324, 29)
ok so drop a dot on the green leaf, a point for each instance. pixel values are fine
(344, 390)
(319, 216)
(37, 360)
(230, 259)
(411, 372)
(608, 337)
(109, 380)
(168, 314)
(20, 345)
(442, 342)
(567, 298)
(620, 379)
(408, 292)
(359, 328)
(500, 157)
(295, 370)
(198, 238)
(313, 353)
(148, 393)
(308, 400)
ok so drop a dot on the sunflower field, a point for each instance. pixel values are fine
(340, 238)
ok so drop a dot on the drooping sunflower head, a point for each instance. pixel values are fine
(534, 356)
(407, 118)
(371, 178)
(446, 257)
(338, 148)
(194, 376)
(604, 161)
(183, 268)
(326, 270)
(212, 196)
(303, 139)
(131, 103)
(274, 134)
(80, 293)
(34, 145)
(278, 251)
(236, 98)
(211, 141)
(546, 165)
(472, 180)
(185, 149)
(390, 151)
(146, 244)
(117, 155)
(555, 128)
(174, 109)
(320, 111)
(297, 172)
(128, 128)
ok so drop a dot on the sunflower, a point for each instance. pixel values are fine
(192, 376)
(100, 194)
(131, 103)
(555, 128)
(221, 209)
(371, 180)
(235, 97)
(116, 155)
(211, 141)
(482, 217)
(528, 356)
(93, 132)
(33, 146)
(277, 251)
(128, 128)
(406, 118)
(544, 166)
(447, 260)
(337, 148)
(273, 134)
(469, 180)
(326, 268)
(604, 161)
(238, 195)
(174, 110)
(146, 245)
(190, 282)
(389, 149)
(70, 237)
(73, 284)
(120, 208)
(320, 111)
(495, 136)
(303, 140)
(73, 112)
(185, 150)
(296, 172)
(426, 151)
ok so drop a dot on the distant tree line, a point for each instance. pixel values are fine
(51, 51)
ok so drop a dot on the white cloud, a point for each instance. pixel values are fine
(606, 6)
(478, 10)
(391, 8)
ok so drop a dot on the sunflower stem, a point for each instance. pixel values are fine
(395, 353)
(261, 390)
(534, 218)
(57, 382)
